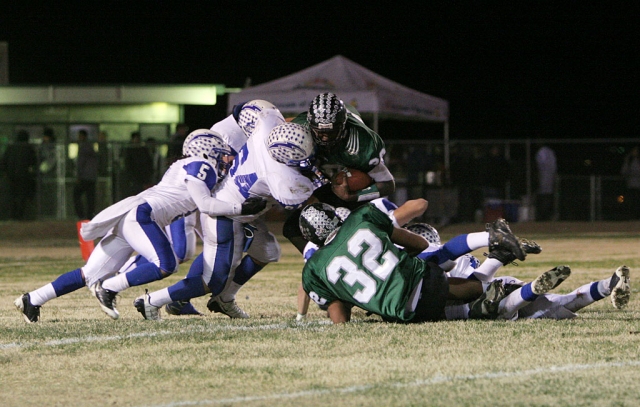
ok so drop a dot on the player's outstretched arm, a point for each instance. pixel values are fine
(409, 210)
(413, 244)
(303, 303)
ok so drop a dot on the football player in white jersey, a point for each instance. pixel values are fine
(137, 224)
(531, 300)
(235, 129)
(271, 165)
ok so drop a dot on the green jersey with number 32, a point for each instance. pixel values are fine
(361, 266)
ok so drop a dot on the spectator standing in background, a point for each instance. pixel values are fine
(86, 176)
(547, 167)
(174, 150)
(631, 172)
(465, 161)
(103, 154)
(47, 154)
(157, 160)
(19, 162)
(138, 166)
(494, 173)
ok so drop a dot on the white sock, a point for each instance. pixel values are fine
(229, 293)
(42, 294)
(477, 240)
(452, 312)
(160, 297)
(509, 306)
(117, 283)
(487, 269)
(603, 287)
(579, 298)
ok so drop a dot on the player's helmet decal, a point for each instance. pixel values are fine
(317, 221)
(425, 230)
(248, 115)
(209, 145)
(327, 117)
(291, 144)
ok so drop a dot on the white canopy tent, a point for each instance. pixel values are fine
(367, 91)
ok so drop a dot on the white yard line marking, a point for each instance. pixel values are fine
(417, 383)
(213, 328)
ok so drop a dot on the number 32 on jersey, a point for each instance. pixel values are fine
(361, 266)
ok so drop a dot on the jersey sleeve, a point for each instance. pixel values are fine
(363, 148)
(380, 219)
(300, 119)
(290, 190)
(314, 286)
(380, 173)
(202, 171)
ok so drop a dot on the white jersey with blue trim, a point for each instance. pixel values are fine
(387, 207)
(255, 173)
(170, 199)
(230, 132)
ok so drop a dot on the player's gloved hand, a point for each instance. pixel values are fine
(253, 205)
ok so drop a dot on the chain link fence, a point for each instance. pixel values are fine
(483, 180)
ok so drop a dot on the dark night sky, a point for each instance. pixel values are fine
(508, 71)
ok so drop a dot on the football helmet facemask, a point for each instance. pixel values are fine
(327, 117)
(209, 145)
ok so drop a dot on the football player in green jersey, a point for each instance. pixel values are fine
(343, 141)
(360, 264)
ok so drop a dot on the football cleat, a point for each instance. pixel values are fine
(30, 312)
(487, 305)
(529, 246)
(107, 300)
(181, 308)
(620, 288)
(230, 308)
(144, 307)
(549, 280)
(501, 237)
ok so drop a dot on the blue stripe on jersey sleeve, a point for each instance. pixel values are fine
(203, 171)
(389, 205)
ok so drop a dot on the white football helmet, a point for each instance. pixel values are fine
(425, 230)
(248, 114)
(291, 144)
(209, 145)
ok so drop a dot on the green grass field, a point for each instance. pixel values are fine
(77, 356)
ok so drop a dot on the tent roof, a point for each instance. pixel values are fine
(367, 91)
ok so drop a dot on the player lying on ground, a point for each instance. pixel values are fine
(530, 300)
(436, 253)
(136, 224)
(360, 264)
